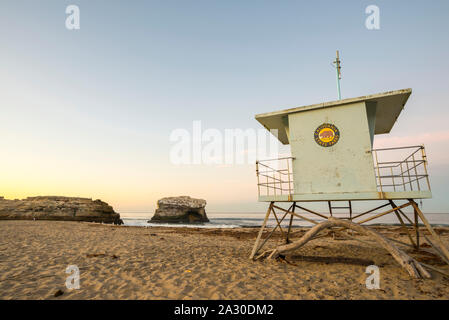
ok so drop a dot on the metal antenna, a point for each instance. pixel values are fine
(338, 69)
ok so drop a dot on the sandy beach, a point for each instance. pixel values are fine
(119, 262)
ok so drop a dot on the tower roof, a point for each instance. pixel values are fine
(389, 106)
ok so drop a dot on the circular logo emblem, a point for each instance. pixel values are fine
(327, 135)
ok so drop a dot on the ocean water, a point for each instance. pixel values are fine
(239, 220)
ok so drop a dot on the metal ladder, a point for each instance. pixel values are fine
(348, 207)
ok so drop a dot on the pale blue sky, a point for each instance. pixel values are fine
(89, 112)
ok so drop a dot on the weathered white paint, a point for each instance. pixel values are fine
(344, 171)
(346, 166)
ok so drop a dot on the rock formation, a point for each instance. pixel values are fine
(180, 209)
(58, 208)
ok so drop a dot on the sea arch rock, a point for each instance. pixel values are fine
(183, 209)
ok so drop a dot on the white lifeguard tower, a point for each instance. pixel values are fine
(333, 160)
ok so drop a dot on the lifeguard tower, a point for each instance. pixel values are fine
(333, 160)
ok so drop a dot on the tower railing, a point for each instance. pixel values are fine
(275, 177)
(396, 169)
(407, 174)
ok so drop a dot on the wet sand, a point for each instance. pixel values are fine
(118, 262)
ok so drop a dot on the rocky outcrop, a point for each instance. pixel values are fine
(180, 209)
(58, 208)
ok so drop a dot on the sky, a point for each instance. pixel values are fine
(90, 112)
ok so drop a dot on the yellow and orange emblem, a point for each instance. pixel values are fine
(327, 135)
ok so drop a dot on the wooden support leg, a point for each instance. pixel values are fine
(330, 212)
(404, 227)
(350, 210)
(416, 228)
(350, 217)
(435, 236)
(255, 248)
(277, 221)
(287, 240)
(272, 230)
(384, 213)
(415, 224)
